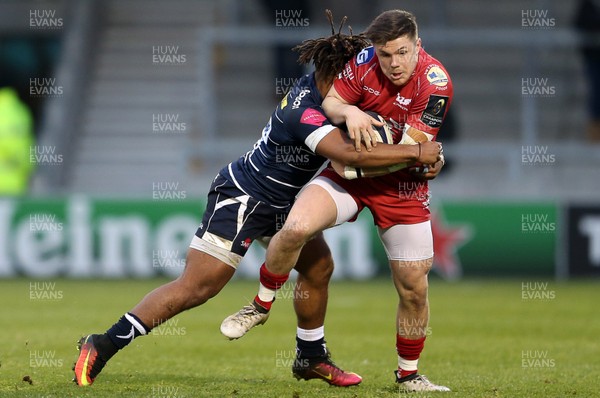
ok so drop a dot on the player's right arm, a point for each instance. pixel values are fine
(358, 123)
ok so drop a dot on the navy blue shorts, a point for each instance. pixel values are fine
(233, 220)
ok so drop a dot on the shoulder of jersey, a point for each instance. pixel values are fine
(365, 56)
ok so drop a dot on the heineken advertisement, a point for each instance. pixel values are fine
(83, 237)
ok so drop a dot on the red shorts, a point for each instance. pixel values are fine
(396, 198)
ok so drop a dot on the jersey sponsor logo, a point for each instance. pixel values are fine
(365, 55)
(312, 117)
(371, 90)
(433, 115)
(246, 243)
(284, 101)
(402, 102)
(436, 76)
(296, 103)
(347, 72)
(438, 106)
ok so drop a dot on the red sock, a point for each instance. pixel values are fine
(265, 304)
(269, 281)
(408, 350)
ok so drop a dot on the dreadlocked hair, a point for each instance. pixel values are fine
(330, 54)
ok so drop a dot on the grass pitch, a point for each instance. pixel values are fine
(496, 338)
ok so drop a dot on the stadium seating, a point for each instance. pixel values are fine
(118, 153)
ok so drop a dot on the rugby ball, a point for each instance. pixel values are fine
(384, 133)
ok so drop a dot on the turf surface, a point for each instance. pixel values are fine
(495, 338)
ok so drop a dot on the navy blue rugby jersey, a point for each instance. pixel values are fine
(283, 160)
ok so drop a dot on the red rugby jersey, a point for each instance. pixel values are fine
(421, 103)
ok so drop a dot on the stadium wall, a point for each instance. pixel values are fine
(82, 237)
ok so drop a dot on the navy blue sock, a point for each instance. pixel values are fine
(126, 329)
(310, 349)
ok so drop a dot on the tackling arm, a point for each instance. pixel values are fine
(339, 149)
(411, 137)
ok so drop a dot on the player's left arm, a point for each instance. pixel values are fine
(439, 93)
(429, 121)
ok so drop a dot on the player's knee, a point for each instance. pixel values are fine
(318, 272)
(414, 295)
(417, 299)
(413, 290)
(294, 235)
(196, 293)
(324, 268)
(200, 294)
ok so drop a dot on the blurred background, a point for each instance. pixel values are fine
(115, 116)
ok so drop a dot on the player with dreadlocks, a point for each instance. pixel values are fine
(249, 200)
(328, 53)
